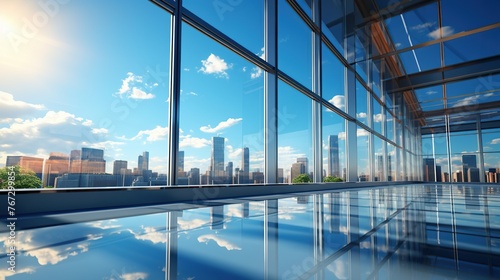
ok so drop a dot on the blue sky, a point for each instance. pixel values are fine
(75, 75)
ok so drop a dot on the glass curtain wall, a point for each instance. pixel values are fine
(253, 92)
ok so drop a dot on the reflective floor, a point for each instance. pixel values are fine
(402, 232)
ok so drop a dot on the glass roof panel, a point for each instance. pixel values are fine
(432, 105)
(306, 6)
(429, 93)
(414, 27)
(472, 47)
(476, 13)
(477, 86)
(473, 99)
(421, 59)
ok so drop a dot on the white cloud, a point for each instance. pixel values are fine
(361, 132)
(436, 34)
(194, 142)
(378, 118)
(467, 101)
(192, 224)
(495, 141)
(156, 134)
(256, 73)
(220, 242)
(215, 65)
(11, 108)
(150, 234)
(56, 131)
(430, 92)
(422, 26)
(133, 87)
(342, 135)
(361, 115)
(338, 101)
(134, 276)
(222, 125)
(140, 94)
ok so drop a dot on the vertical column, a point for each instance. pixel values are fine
(318, 232)
(480, 149)
(171, 266)
(271, 239)
(174, 94)
(316, 86)
(271, 93)
(353, 236)
(350, 96)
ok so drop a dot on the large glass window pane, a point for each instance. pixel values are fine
(391, 162)
(414, 27)
(334, 143)
(225, 143)
(464, 149)
(333, 16)
(453, 11)
(379, 159)
(333, 72)
(491, 152)
(363, 155)
(294, 45)
(294, 134)
(361, 103)
(378, 117)
(390, 127)
(242, 21)
(86, 93)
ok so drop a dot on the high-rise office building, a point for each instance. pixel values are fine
(56, 165)
(468, 161)
(143, 162)
(120, 167)
(229, 172)
(217, 161)
(473, 174)
(305, 162)
(194, 176)
(32, 163)
(180, 161)
(297, 169)
(245, 160)
(92, 161)
(333, 156)
(75, 161)
(429, 170)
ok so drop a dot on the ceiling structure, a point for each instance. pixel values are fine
(447, 56)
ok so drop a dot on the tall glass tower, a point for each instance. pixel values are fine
(217, 157)
(333, 156)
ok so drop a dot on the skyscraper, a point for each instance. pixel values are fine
(333, 156)
(118, 166)
(32, 163)
(143, 162)
(297, 169)
(229, 172)
(429, 170)
(217, 162)
(56, 165)
(304, 162)
(180, 161)
(245, 160)
(75, 161)
(92, 161)
(468, 161)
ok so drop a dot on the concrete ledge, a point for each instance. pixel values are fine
(60, 201)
